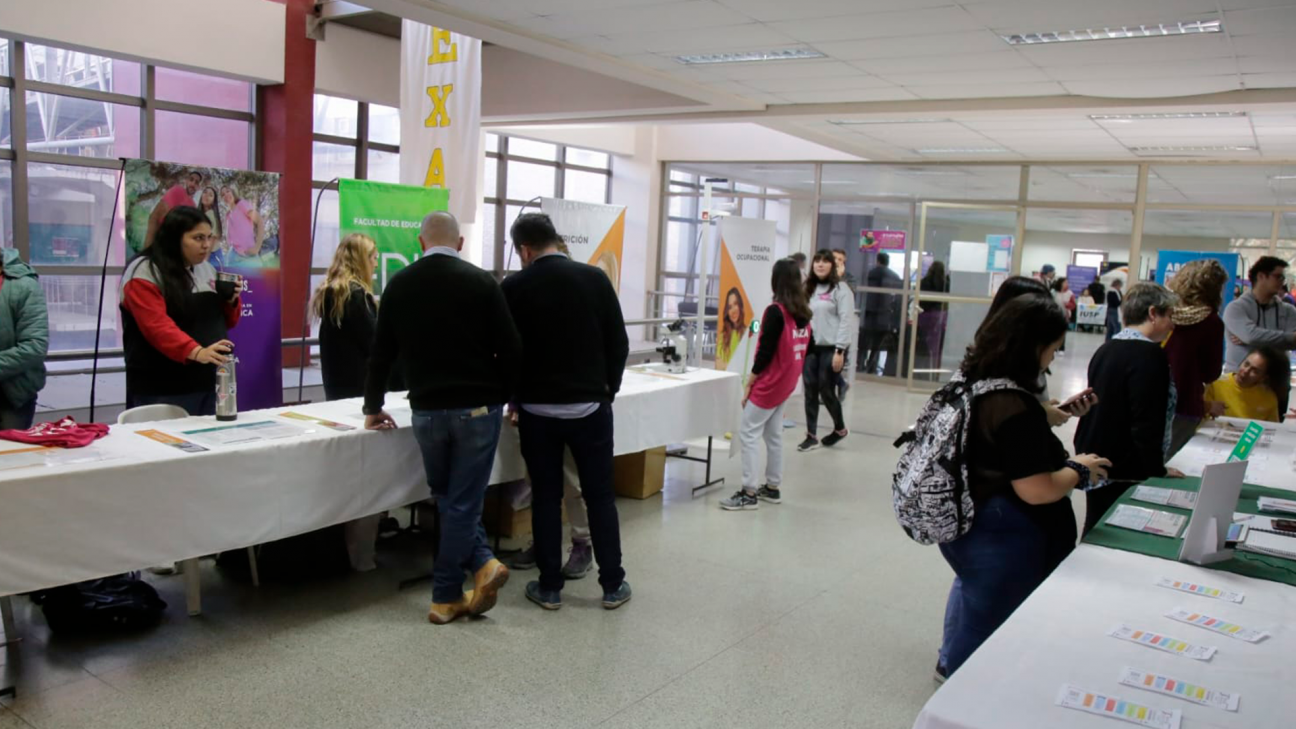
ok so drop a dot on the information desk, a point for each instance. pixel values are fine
(1059, 636)
(145, 502)
(1272, 462)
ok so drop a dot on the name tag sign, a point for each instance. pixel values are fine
(1246, 442)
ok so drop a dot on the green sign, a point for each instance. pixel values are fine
(1245, 443)
(391, 215)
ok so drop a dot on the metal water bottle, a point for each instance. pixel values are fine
(226, 391)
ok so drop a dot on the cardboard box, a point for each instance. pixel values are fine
(513, 523)
(640, 475)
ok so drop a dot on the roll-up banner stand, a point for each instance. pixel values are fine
(391, 215)
(1169, 263)
(593, 234)
(746, 264)
(243, 208)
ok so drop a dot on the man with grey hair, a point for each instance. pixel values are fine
(445, 327)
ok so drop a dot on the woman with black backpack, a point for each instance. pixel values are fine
(1019, 477)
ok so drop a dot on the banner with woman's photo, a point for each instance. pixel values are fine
(746, 263)
(593, 233)
(242, 207)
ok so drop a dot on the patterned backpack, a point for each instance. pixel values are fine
(929, 489)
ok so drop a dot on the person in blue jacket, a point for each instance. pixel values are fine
(24, 340)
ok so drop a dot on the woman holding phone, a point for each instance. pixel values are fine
(176, 317)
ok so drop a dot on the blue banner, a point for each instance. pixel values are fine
(1169, 263)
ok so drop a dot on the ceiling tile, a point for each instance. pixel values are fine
(879, 25)
(912, 46)
(784, 69)
(1280, 19)
(1102, 71)
(1269, 80)
(782, 85)
(1041, 15)
(770, 10)
(971, 78)
(943, 62)
(1267, 63)
(554, 7)
(963, 91)
(647, 18)
(1154, 88)
(705, 40)
(830, 97)
(1024, 122)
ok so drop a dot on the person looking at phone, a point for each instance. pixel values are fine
(1196, 350)
(1252, 391)
(1020, 477)
(176, 317)
(1131, 376)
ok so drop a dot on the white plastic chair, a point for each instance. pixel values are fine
(193, 594)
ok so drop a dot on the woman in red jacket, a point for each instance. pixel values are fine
(1196, 348)
(176, 317)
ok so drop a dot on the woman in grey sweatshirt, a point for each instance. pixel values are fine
(832, 306)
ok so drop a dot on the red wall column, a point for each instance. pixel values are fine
(284, 126)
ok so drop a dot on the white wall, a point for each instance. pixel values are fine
(636, 182)
(355, 64)
(238, 38)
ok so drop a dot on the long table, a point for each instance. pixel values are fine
(145, 502)
(1272, 462)
(1059, 636)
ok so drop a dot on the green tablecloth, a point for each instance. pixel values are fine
(1262, 567)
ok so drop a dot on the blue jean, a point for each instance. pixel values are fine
(458, 451)
(19, 418)
(1007, 554)
(194, 403)
(544, 441)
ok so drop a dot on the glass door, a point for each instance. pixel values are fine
(964, 253)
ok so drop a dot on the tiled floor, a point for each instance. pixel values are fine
(814, 613)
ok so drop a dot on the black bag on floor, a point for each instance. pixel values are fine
(121, 603)
(303, 558)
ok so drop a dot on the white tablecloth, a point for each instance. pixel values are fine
(1058, 636)
(149, 503)
(1272, 462)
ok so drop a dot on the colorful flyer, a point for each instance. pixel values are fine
(224, 435)
(1180, 689)
(1199, 589)
(1165, 497)
(1218, 625)
(171, 440)
(1113, 707)
(1151, 521)
(331, 425)
(1162, 643)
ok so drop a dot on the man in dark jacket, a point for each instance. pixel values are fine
(574, 355)
(1131, 376)
(24, 341)
(881, 316)
(445, 327)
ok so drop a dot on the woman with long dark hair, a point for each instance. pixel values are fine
(733, 325)
(1019, 474)
(932, 315)
(833, 306)
(784, 338)
(176, 317)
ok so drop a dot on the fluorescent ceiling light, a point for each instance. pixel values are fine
(1167, 116)
(962, 150)
(1283, 177)
(1155, 30)
(862, 122)
(1220, 148)
(784, 54)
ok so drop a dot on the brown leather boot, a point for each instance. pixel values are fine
(486, 586)
(446, 612)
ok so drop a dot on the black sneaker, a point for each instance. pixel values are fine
(834, 438)
(770, 495)
(740, 501)
(809, 444)
(524, 560)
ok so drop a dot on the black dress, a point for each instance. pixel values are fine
(345, 347)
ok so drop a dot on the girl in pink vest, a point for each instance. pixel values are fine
(779, 361)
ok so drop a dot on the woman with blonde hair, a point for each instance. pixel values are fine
(344, 305)
(1196, 349)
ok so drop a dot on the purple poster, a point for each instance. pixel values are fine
(1079, 278)
(242, 208)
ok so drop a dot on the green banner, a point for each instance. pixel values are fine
(391, 215)
(1246, 442)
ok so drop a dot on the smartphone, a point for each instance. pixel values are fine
(1076, 399)
(1284, 525)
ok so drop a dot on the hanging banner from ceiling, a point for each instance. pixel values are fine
(746, 263)
(441, 113)
(391, 215)
(243, 209)
(593, 234)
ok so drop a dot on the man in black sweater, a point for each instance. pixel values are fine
(445, 327)
(574, 355)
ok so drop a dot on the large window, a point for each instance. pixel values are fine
(66, 117)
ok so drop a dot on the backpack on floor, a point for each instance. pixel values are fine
(929, 490)
(122, 603)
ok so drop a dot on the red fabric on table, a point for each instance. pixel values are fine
(66, 433)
